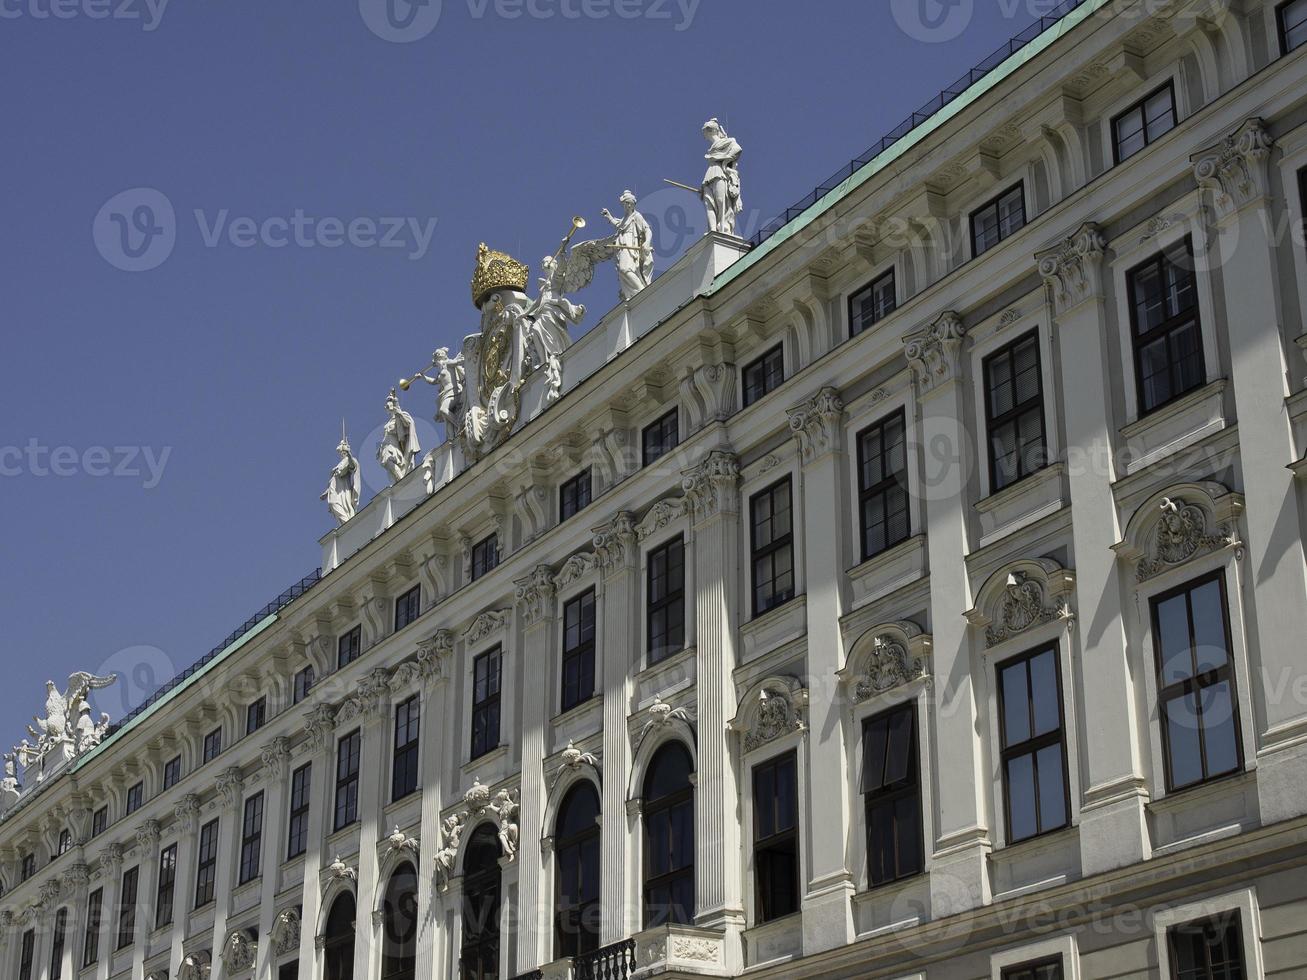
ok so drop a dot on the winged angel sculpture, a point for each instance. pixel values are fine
(68, 715)
(480, 390)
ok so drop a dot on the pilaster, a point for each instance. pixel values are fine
(538, 609)
(231, 786)
(817, 427)
(147, 849)
(1235, 174)
(1113, 826)
(712, 488)
(434, 656)
(275, 757)
(111, 870)
(187, 813)
(615, 547)
(321, 724)
(959, 876)
(374, 792)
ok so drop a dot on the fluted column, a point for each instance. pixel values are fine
(538, 609)
(321, 723)
(619, 563)
(817, 426)
(231, 784)
(1113, 824)
(434, 656)
(1235, 175)
(187, 813)
(713, 490)
(959, 879)
(147, 848)
(275, 757)
(45, 912)
(111, 871)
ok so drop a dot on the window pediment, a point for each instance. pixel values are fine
(886, 657)
(1180, 524)
(1021, 596)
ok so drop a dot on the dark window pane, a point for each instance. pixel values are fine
(1292, 17)
(1209, 949)
(348, 647)
(764, 375)
(1144, 122)
(997, 220)
(407, 607)
(574, 495)
(660, 437)
(872, 304)
(1167, 336)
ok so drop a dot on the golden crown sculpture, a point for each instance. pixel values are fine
(496, 270)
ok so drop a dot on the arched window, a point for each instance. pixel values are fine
(669, 838)
(481, 896)
(399, 937)
(576, 889)
(338, 948)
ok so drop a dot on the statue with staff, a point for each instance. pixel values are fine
(342, 493)
(720, 190)
(633, 241)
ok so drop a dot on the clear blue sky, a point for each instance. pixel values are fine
(239, 359)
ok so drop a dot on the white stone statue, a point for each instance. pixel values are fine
(10, 782)
(64, 711)
(342, 493)
(89, 732)
(449, 381)
(633, 244)
(398, 450)
(721, 184)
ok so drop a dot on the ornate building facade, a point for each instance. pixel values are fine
(917, 592)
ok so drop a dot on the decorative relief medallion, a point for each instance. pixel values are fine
(888, 666)
(778, 707)
(1181, 535)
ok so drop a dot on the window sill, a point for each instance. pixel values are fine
(1021, 504)
(1174, 427)
(576, 711)
(668, 675)
(485, 760)
(888, 571)
(1036, 863)
(774, 628)
(774, 942)
(1199, 814)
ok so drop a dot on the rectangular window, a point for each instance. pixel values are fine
(485, 556)
(485, 702)
(298, 835)
(206, 866)
(256, 715)
(167, 886)
(212, 745)
(349, 646)
(1210, 949)
(999, 219)
(57, 940)
(666, 598)
(1014, 412)
(771, 545)
(407, 607)
(776, 837)
(574, 496)
(1035, 797)
(99, 821)
(1302, 200)
(765, 375)
(872, 303)
(404, 770)
(127, 908)
(172, 772)
(26, 955)
(303, 685)
(1049, 969)
(891, 790)
(135, 797)
(348, 750)
(251, 839)
(91, 940)
(1165, 330)
(28, 868)
(65, 842)
(1195, 688)
(578, 650)
(883, 485)
(660, 437)
(1144, 122)
(1291, 17)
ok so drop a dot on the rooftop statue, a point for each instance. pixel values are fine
(632, 245)
(63, 711)
(342, 493)
(721, 184)
(398, 450)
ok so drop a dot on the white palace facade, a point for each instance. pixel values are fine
(917, 591)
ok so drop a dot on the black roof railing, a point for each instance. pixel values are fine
(276, 605)
(917, 118)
